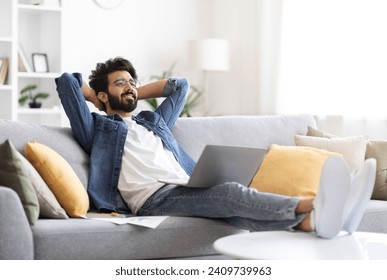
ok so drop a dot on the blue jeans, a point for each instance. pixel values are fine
(240, 206)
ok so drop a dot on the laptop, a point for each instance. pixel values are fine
(221, 164)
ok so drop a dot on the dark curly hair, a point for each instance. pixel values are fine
(98, 78)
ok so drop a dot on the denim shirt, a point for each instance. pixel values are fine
(103, 137)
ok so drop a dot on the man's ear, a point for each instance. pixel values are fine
(102, 96)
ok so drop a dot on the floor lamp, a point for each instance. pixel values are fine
(209, 55)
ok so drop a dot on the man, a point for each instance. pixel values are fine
(129, 154)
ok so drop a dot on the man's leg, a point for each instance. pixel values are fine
(240, 206)
(256, 211)
(305, 206)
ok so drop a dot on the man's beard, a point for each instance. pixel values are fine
(118, 104)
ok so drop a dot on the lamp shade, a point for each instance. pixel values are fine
(210, 54)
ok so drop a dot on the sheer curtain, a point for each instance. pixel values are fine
(333, 64)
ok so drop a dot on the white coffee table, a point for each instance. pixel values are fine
(283, 245)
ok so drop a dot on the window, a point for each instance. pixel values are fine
(333, 57)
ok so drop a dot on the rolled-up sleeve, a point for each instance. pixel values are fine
(81, 120)
(176, 93)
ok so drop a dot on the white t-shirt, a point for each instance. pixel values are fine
(145, 161)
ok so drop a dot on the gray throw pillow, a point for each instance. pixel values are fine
(13, 175)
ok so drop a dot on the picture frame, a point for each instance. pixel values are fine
(40, 62)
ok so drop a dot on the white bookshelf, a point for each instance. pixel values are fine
(39, 8)
(37, 29)
(6, 39)
(5, 87)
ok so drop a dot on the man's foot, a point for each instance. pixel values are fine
(335, 183)
(360, 194)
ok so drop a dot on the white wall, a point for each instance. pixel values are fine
(236, 91)
(150, 33)
(154, 33)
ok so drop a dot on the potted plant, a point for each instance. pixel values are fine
(194, 96)
(27, 94)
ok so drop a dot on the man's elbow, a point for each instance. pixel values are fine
(68, 80)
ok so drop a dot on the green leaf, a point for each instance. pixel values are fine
(193, 99)
(23, 99)
(152, 102)
(28, 88)
(41, 95)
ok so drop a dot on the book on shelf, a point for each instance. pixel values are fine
(4, 63)
(23, 64)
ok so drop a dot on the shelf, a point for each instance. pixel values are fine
(36, 28)
(5, 87)
(38, 75)
(39, 8)
(5, 39)
(39, 111)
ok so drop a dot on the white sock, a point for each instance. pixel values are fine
(312, 222)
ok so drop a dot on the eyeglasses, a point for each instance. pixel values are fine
(122, 83)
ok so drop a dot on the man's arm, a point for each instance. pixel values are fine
(176, 92)
(91, 96)
(69, 87)
(151, 90)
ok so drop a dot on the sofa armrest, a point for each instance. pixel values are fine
(16, 241)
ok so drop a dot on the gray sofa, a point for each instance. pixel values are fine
(176, 237)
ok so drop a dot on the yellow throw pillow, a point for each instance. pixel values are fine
(291, 170)
(60, 178)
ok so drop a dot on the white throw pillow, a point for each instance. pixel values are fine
(49, 205)
(352, 148)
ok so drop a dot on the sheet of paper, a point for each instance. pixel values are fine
(144, 221)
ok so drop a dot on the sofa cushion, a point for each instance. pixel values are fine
(377, 149)
(375, 217)
(14, 176)
(291, 170)
(319, 133)
(176, 237)
(60, 139)
(16, 242)
(193, 134)
(60, 178)
(48, 204)
(352, 148)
